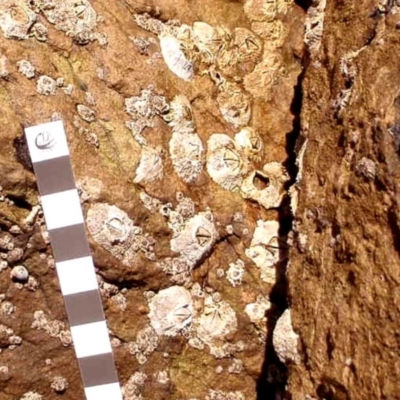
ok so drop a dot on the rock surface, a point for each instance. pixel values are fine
(234, 159)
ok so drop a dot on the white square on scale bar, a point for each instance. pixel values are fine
(77, 275)
(91, 339)
(47, 141)
(111, 391)
(62, 209)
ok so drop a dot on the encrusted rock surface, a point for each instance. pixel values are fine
(238, 167)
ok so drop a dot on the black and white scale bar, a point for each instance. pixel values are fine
(49, 152)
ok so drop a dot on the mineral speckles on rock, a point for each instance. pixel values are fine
(285, 340)
(171, 310)
(112, 229)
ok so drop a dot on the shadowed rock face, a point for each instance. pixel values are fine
(238, 168)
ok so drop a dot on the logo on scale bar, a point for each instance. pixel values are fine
(45, 141)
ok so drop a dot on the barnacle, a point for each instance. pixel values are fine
(186, 151)
(143, 109)
(217, 320)
(285, 339)
(220, 395)
(196, 238)
(256, 311)
(266, 187)
(112, 229)
(234, 105)
(235, 273)
(86, 113)
(248, 45)
(175, 58)
(224, 163)
(171, 310)
(250, 143)
(46, 85)
(16, 19)
(264, 249)
(150, 168)
(314, 26)
(26, 69)
(265, 75)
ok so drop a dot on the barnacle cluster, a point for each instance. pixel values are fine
(265, 249)
(145, 344)
(285, 339)
(112, 229)
(54, 328)
(59, 384)
(171, 310)
(143, 109)
(131, 389)
(8, 339)
(77, 18)
(185, 147)
(229, 163)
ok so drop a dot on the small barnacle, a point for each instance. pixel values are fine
(285, 339)
(40, 32)
(224, 164)
(86, 113)
(26, 69)
(203, 33)
(16, 19)
(264, 249)
(175, 58)
(19, 273)
(31, 396)
(186, 151)
(235, 273)
(150, 168)
(59, 384)
(196, 238)
(46, 85)
(367, 168)
(234, 105)
(250, 143)
(266, 187)
(171, 310)
(185, 206)
(257, 311)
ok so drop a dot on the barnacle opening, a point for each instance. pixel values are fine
(260, 181)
